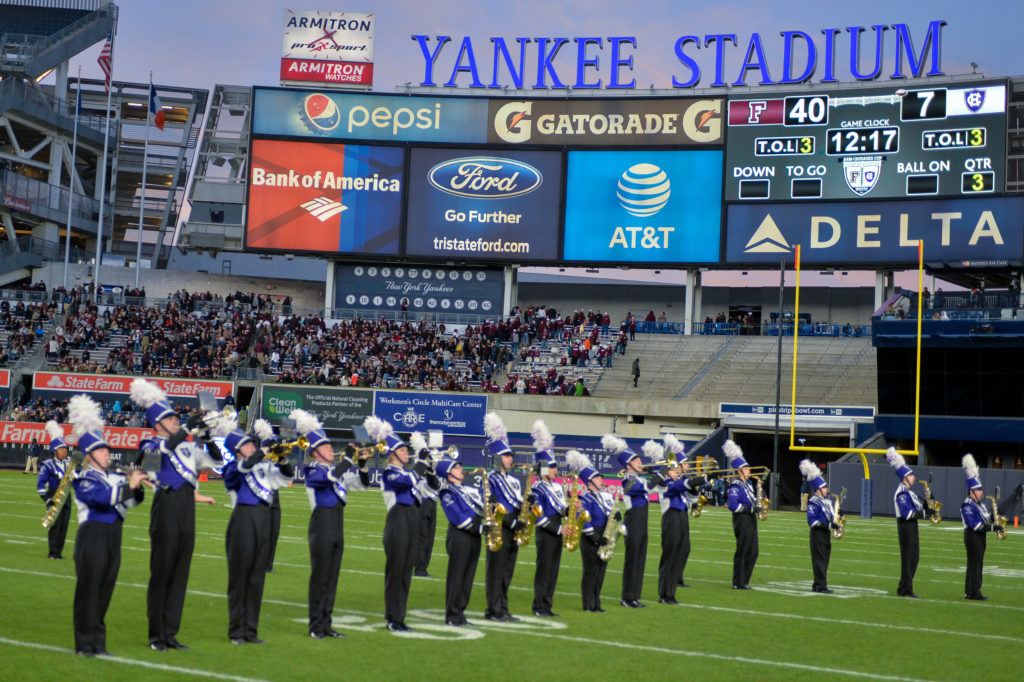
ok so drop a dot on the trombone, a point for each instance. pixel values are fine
(755, 472)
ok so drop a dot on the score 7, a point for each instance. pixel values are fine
(919, 105)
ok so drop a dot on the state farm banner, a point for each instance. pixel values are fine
(111, 387)
(119, 437)
(327, 47)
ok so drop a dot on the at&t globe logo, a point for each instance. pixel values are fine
(319, 113)
(643, 190)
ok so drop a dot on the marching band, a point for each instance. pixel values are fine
(494, 518)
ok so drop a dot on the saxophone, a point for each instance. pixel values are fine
(697, 509)
(612, 530)
(998, 522)
(527, 519)
(837, 515)
(494, 512)
(935, 505)
(577, 517)
(60, 496)
(762, 501)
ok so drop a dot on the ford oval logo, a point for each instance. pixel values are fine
(485, 177)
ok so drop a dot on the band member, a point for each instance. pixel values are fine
(977, 522)
(50, 475)
(174, 465)
(551, 526)
(597, 502)
(464, 508)
(327, 485)
(275, 529)
(402, 495)
(507, 491)
(909, 509)
(743, 505)
(103, 498)
(250, 481)
(426, 524)
(636, 491)
(675, 500)
(821, 517)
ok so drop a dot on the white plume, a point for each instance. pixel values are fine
(577, 461)
(731, 450)
(222, 426)
(145, 393)
(614, 443)
(542, 438)
(263, 429)
(894, 458)
(653, 450)
(53, 430)
(417, 442)
(970, 466)
(494, 427)
(377, 428)
(673, 445)
(305, 422)
(84, 413)
(809, 469)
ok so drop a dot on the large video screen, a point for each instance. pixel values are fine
(484, 204)
(895, 142)
(643, 206)
(324, 197)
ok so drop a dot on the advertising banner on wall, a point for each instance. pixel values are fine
(107, 387)
(327, 47)
(119, 437)
(484, 204)
(643, 207)
(324, 197)
(336, 408)
(454, 413)
(422, 289)
(879, 232)
(357, 116)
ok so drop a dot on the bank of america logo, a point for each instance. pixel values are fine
(767, 238)
(323, 209)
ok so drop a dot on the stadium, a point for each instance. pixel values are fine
(654, 301)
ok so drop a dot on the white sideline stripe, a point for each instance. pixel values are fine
(131, 661)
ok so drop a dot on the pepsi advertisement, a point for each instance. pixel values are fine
(476, 204)
(884, 232)
(349, 116)
(459, 414)
(643, 207)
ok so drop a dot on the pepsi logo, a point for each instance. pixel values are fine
(485, 177)
(643, 190)
(319, 113)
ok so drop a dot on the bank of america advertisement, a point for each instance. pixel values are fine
(478, 204)
(327, 47)
(324, 197)
(643, 207)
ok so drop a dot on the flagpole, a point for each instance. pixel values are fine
(71, 180)
(142, 201)
(103, 179)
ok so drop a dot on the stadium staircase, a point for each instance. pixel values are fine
(33, 42)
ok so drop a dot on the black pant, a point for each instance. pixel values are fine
(593, 569)
(500, 566)
(97, 561)
(58, 532)
(744, 527)
(910, 553)
(549, 557)
(821, 552)
(248, 544)
(635, 553)
(425, 528)
(463, 554)
(675, 550)
(399, 533)
(172, 534)
(326, 545)
(275, 528)
(975, 545)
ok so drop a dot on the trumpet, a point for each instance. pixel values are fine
(208, 420)
(279, 451)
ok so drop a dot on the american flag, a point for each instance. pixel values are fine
(106, 61)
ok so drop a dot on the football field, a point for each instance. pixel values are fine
(779, 630)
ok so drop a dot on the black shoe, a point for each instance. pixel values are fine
(509, 618)
(598, 610)
(254, 640)
(682, 584)
(670, 602)
(421, 574)
(334, 633)
(979, 597)
(824, 591)
(912, 596)
(158, 646)
(173, 643)
(237, 642)
(103, 652)
(271, 570)
(87, 654)
(631, 603)
(317, 635)
(741, 587)
(499, 618)
(453, 623)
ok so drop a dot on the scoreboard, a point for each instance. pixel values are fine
(922, 141)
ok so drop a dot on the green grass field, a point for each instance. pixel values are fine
(777, 631)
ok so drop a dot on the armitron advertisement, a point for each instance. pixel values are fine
(478, 203)
(324, 197)
(327, 47)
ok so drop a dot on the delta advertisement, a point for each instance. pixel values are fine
(357, 116)
(324, 197)
(954, 231)
(659, 207)
(454, 413)
(327, 47)
(336, 408)
(478, 291)
(480, 203)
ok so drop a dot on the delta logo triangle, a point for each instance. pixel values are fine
(767, 239)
